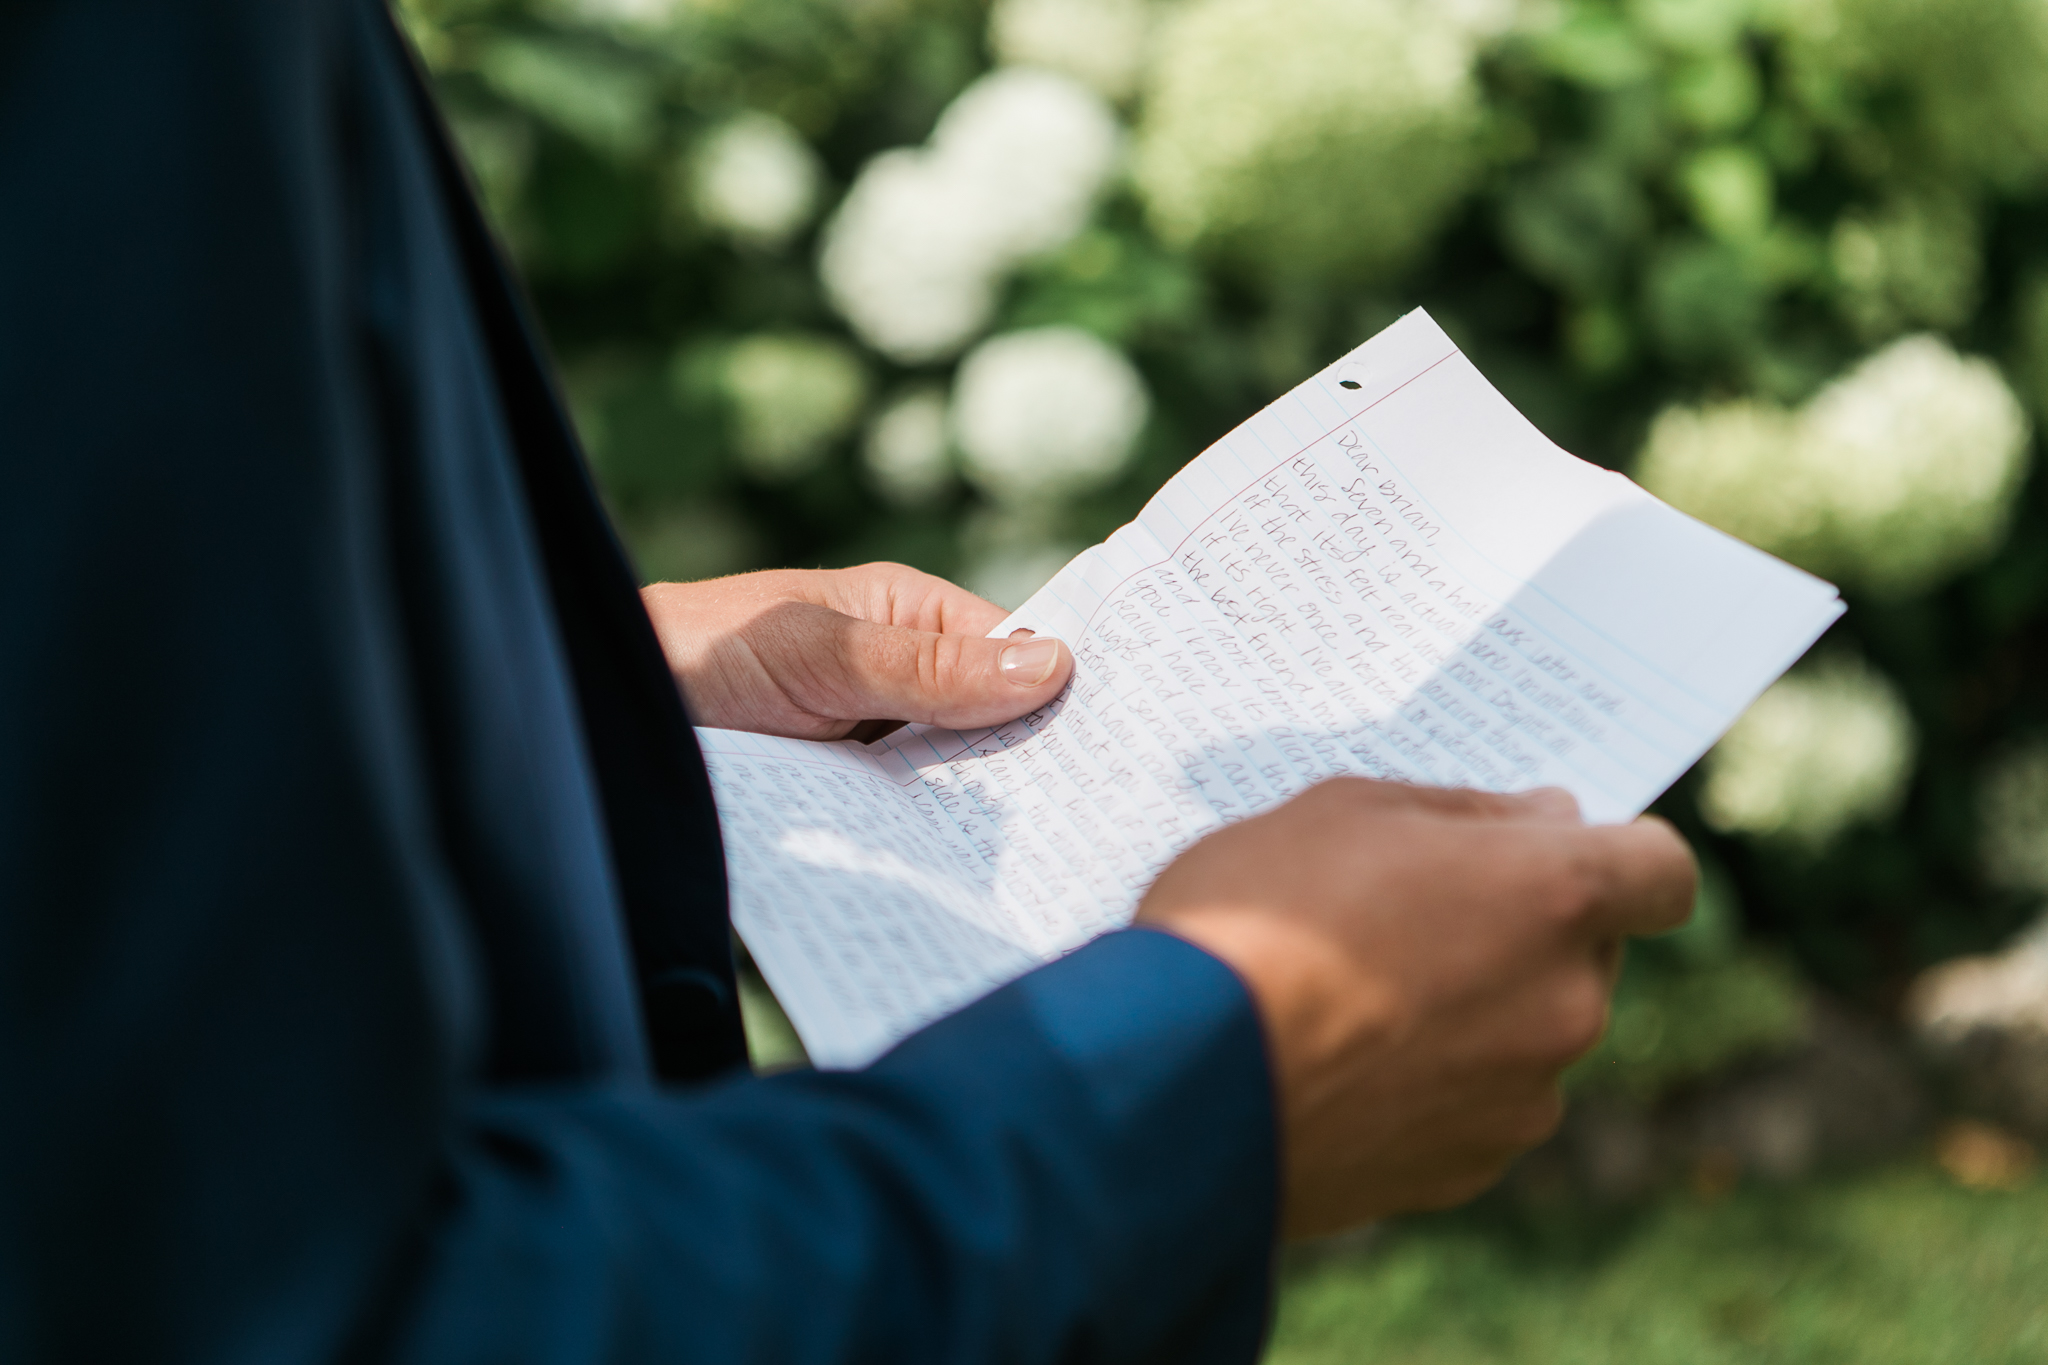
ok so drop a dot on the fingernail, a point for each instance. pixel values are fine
(1030, 663)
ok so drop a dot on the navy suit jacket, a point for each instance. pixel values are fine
(365, 990)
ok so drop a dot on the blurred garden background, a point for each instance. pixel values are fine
(961, 283)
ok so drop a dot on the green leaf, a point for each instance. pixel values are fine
(603, 103)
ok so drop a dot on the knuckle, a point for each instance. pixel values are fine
(936, 665)
(1534, 1121)
(1462, 803)
(1673, 870)
(1476, 1176)
(874, 568)
(1568, 886)
(1348, 789)
(1469, 803)
(880, 590)
(1682, 881)
(1335, 795)
(1579, 1016)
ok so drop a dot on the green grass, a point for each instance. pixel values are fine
(1897, 1266)
(772, 1044)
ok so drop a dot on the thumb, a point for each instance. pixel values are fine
(959, 681)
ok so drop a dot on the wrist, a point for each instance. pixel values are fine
(1314, 1003)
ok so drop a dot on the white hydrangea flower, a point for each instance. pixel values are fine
(1823, 749)
(1894, 477)
(1045, 413)
(2012, 818)
(906, 451)
(915, 254)
(1925, 450)
(792, 395)
(757, 179)
(1310, 137)
(907, 260)
(1098, 42)
(1035, 147)
(1732, 465)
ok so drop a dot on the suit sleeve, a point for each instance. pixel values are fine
(246, 1109)
(1078, 1168)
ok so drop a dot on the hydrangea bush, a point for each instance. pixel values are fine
(961, 283)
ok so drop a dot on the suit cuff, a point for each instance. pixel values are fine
(1162, 1052)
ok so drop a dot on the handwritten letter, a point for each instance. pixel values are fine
(1388, 573)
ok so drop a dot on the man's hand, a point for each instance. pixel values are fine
(1425, 962)
(813, 653)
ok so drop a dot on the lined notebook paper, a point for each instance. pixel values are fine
(1388, 572)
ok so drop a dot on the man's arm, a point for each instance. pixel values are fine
(244, 1014)
(267, 1094)
(1076, 1168)
(1425, 962)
